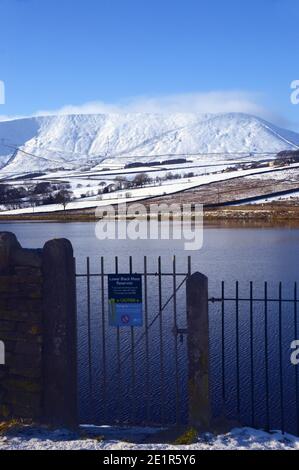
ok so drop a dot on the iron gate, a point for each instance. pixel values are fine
(133, 375)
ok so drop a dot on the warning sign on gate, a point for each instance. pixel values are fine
(125, 300)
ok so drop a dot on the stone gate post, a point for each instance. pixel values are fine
(198, 351)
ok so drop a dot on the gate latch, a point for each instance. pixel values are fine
(180, 331)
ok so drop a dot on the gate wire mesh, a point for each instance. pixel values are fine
(133, 375)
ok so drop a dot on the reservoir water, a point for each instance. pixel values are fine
(229, 254)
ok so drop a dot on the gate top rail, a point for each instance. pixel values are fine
(156, 274)
(260, 298)
(143, 272)
(241, 299)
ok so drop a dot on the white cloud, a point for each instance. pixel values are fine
(209, 102)
(2, 92)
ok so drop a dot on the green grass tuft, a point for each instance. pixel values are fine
(189, 437)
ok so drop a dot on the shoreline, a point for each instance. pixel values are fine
(284, 214)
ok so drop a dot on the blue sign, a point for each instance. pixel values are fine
(125, 300)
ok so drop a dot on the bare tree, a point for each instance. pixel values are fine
(33, 201)
(63, 197)
(121, 182)
(141, 179)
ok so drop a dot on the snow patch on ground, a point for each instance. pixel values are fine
(106, 438)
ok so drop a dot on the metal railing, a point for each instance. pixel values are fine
(257, 328)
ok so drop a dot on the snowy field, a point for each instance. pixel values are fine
(293, 196)
(287, 174)
(169, 187)
(105, 438)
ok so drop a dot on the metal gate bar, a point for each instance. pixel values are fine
(146, 342)
(103, 340)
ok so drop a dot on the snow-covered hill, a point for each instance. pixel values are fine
(70, 141)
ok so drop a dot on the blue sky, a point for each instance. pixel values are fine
(150, 55)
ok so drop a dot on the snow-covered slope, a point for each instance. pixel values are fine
(72, 140)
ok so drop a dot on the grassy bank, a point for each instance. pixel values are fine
(278, 213)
